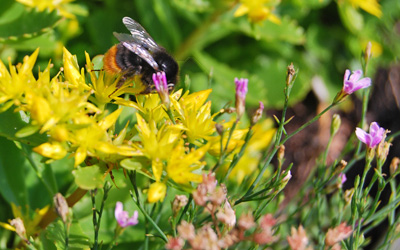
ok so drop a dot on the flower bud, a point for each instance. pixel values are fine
(367, 54)
(179, 202)
(257, 115)
(335, 124)
(18, 224)
(340, 167)
(290, 74)
(61, 206)
(219, 128)
(281, 153)
(394, 165)
(241, 91)
(348, 195)
(161, 85)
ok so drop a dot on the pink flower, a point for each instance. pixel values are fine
(374, 137)
(337, 234)
(298, 239)
(122, 216)
(241, 91)
(186, 230)
(267, 221)
(227, 216)
(352, 83)
(246, 221)
(343, 178)
(161, 84)
(175, 243)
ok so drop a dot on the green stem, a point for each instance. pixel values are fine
(132, 177)
(170, 115)
(239, 155)
(97, 220)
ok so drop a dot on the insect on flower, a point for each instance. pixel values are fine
(137, 57)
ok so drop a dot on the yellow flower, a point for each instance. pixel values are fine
(258, 10)
(105, 87)
(181, 166)
(15, 82)
(370, 6)
(194, 115)
(60, 5)
(157, 191)
(151, 107)
(157, 143)
(94, 140)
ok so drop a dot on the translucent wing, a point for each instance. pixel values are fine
(139, 34)
(130, 43)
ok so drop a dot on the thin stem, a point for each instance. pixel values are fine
(271, 155)
(132, 177)
(224, 153)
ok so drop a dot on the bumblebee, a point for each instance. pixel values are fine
(138, 57)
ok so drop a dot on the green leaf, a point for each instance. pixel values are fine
(12, 173)
(135, 163)
(43, 171)
(89, 177)
(77, 239)
(12, 122)
(287, 30)
(26, 23)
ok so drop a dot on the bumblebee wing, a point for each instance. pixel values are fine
(131, 44)
(139, 34)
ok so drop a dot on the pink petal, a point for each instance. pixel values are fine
(348, 87)
(346, 75)
(356, 75)
(364, 82)
(362, 135)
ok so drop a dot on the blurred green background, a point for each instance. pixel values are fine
(321, 37)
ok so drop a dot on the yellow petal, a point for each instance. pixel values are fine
(29, 62)
(157, 192)
(110, 120)
(242, 10)
(71, 69)
(80, 155)
(142, 125)
(51, 150)
(157, 167)
(7, 226)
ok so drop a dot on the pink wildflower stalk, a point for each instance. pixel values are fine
(241, 91)
(161, 84)
(352, 83)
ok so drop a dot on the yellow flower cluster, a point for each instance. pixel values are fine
(258, 10)
(73, 110)
(61, 6)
